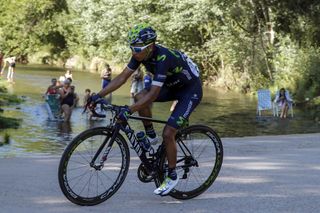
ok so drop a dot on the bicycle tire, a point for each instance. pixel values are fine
(67, 155)
(200, 129)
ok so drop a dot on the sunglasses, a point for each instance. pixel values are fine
(139, 49)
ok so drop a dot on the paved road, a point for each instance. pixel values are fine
(259, 174)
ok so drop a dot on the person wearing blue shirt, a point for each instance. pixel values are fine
(147, 80)
(175, 77)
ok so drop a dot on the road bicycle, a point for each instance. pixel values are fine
(96, 162)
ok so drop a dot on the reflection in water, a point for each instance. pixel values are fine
(230, 114)
(65, 131)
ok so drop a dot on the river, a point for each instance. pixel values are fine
(230, 114)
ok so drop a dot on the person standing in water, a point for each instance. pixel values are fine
(67, 100)
(11, 61)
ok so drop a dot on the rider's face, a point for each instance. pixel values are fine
(140, 56)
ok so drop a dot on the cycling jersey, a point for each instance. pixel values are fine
(179, 80)
(169, 67)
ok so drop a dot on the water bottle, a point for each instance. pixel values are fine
(143, 140)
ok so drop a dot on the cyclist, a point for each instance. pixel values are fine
(176, 77)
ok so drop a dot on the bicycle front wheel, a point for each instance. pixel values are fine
(199, 160)
(85, 183)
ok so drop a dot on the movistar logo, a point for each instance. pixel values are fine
(182, 122)
(178, 69)
(175, 54)
(161, 57)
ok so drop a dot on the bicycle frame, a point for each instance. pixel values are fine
(154, 164)
(132, 139)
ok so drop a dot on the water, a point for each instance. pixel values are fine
(230, 114)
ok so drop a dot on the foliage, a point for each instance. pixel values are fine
(238, 44)
(28, 25)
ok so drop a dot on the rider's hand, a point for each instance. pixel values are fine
(124, 114)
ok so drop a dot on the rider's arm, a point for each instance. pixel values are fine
(147, 99)
(116, 82)
(158, 81)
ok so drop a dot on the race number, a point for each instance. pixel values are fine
(193, 67)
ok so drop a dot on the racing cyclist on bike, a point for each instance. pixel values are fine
(176, 77)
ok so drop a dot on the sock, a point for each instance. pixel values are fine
(172, 173)
(150, 131)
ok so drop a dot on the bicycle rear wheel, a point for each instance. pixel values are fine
(81, 182)
(199, 160)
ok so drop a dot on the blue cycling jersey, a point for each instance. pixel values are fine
(171, 68)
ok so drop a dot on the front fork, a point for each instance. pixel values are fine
(103, 158)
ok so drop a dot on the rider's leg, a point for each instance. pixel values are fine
(171, 179)
(188, 99)
(146, 112)
(169, 134)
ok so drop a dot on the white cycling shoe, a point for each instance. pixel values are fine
(167, 185)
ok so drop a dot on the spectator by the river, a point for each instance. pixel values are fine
(52, 89)
(147, 80)
(75, 97)
(106, 75)
(106, 79)
(283, 100)
(87, 94)
(136, 82)
(68, 74)
(11, 61)
(67, 100)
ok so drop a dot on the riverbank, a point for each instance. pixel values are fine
(314, 107)
(7, 99)
(230, 114)
(259, 174)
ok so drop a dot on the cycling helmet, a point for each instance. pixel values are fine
(141, 34)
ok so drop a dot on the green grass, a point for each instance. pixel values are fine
(6, 99)
(9, 123)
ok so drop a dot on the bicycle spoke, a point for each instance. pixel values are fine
(77, 168)
(87, 150)
(77, 182)
(195, 177)
(102, 182)
(85, 184)
(83, 157)
(78, 162)
(89, 183)
(97, 183)
(185, 188)
(200, 174)
(204, 148)
(106, 175)
(195, 145)
(70, 179)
